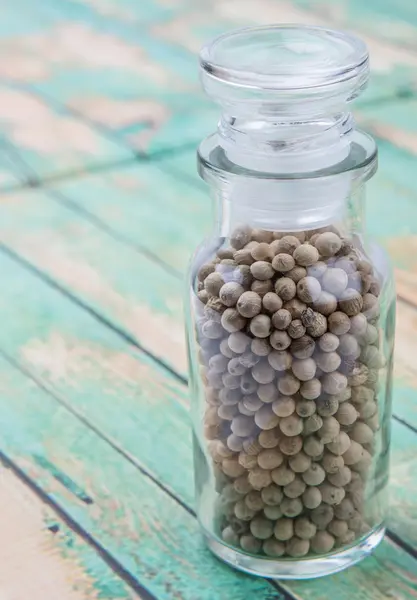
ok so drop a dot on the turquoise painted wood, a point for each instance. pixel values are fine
(100, 107)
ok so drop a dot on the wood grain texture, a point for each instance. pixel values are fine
(41, 558)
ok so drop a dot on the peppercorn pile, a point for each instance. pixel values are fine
(290, 360)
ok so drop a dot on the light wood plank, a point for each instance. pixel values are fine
(41, 558)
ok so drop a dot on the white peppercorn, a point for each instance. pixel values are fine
(271, 302)
(281, 319)
(297, 548)
(253, 500)
(371, 357)
(203, 296)
(270, 459)
(261, 270)
(213, 283)
(229, 396)
(243, 256)
(252, 446)
(283, 262)
(329, 342)
(260, 326)
(235, 367)
(262, 252)
(314, 475)
(273, 548)
(312, 498)
(322, 515)
(283, 406)
(358, 324)
(328, 361)
(312, 424)
(306, 255)
(313, 446)
(290, 446)
(341, 478)
(235, 442)
(280, 340)
(230, 537)
(265, 418)
(247, 461)
(260, 347)
(326, 303)
(350, 302)
(338, 528)
(285, 288)
(304, 369)
(305, 408)
(327, 406)
(282, 476)
(218, 363)
(269, 438)
(329, 430)
(318, 326)
(242, 425)
(248, 385)
(334, 281)
(272, 512)
(288, 244)
(232, 382)
(349, 345)
(243, 275)
(263, 372)
(280, 361)
(308, 289)
(267, 392)
(205, 271)
(339, 444)
(230, 293)
(334, 383)
(262, 287)
(250, 544)
(288, 385)
(292, 425)
(272, 495)
(227, 412)
(310, 390)
(362, 394)
(304, 528)
(328, 244)
(241, 485)
(346, 414)
(232, 468)
(361, 433)
(332, 463)
(353, 454)
(249, 304)
(296, 329)
(322, 542)
(248, 360)
(300, 462)
(367, 410)
(284, 529)
(240, 237)
(303, 347)
(345, 510)
(259, 478)
(232, 321)
(212, 330)
(317, 270)
(339, 323)
(296, 273)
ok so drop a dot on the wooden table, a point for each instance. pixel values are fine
(101, 111)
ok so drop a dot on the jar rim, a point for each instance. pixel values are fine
(286, 57)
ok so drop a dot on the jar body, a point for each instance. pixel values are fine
(290, 337)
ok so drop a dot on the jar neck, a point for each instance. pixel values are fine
(286, 144)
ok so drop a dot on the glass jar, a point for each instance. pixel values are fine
(290, 310)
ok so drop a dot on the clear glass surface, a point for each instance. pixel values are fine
(290, 312)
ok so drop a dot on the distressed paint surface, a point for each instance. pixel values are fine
(34, 542)
(100, 108)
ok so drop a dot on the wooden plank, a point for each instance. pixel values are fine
(144, 528)
(41, 558)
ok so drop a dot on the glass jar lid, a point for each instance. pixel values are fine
(279, 65)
